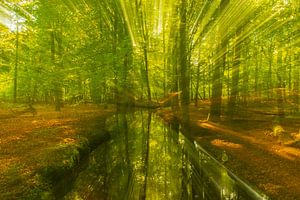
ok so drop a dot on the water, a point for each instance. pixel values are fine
(146, 159)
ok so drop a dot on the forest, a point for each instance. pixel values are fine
(109, 86)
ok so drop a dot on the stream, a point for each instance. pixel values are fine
(147, 159)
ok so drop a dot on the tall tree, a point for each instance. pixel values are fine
(232, 105)
(16, 62)
(183, 64)
(217, 86)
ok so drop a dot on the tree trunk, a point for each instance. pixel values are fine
(125, 83)
(16, 65)
(296, 84)
(216, 98)
(55, 79)
(184, 66)
(209, 81)
(58, 87)
(257, 63)
(114, 61)
(280, 86)
(197, 84)
(147, 72)
(175, 75)
(145, 37)
(232, 105)
(270, 81)
(165, 60)
(245, 92)
(204, 83)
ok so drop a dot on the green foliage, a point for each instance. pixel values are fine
(77, 52)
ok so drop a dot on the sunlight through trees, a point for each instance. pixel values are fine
(236, 54)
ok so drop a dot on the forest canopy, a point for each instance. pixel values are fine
(234, 53)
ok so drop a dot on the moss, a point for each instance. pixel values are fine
(66, 161)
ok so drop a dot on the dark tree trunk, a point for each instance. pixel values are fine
(217, 86)
(147, 72)
(270, 80)
(58, 92)
(280, 86)
(142, 21)
(245, 90)
(297, 85)
(175, 75)
(197, 84)
(232, 105)
(184, 66)
(55, 78)
(216, 98)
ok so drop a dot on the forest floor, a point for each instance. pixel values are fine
(268, 163)
(33, 149)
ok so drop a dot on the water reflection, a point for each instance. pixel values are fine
(145, 159)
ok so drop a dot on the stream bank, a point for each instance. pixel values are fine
(260, 159)
(148, 159)
(41, 155)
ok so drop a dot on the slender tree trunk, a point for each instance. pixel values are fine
(184, 66)
(58, 86)
(209, 81)
(144, 30)
(228, 82)
(125, 84)
(147, 72)
(204, 83)
(216, 98)
(114, 64)
(55, 79)
(280, 86)
(270, 80)
(197, 83)
(256, 74)
(297, 84)
(246, 77)
(191, 87)
(165, 60)
(16, 65)
(232, 105)
(175, 75)
(289, 63)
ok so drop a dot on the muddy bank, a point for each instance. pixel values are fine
(61, 176)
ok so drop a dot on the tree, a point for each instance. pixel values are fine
(232, 107)
(216, 98)
(184, 65)
(16, 62)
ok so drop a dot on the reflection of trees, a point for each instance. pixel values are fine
(145, 156)
(147, 160)
(128, 166)
(158, 172)
(166, 167)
